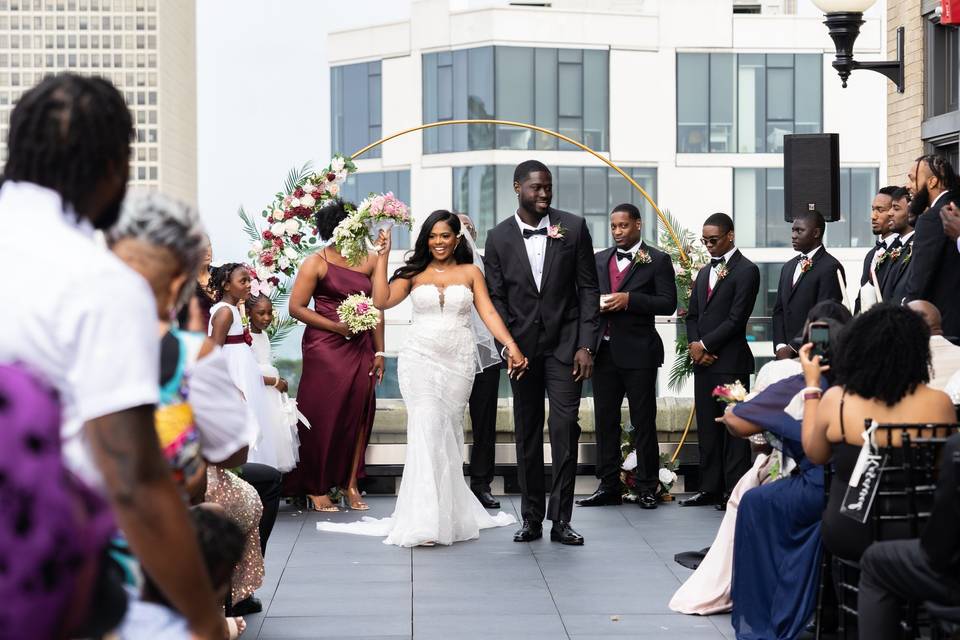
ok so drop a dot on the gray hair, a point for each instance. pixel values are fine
(161, 221)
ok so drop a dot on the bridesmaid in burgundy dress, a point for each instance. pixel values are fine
(340, 373)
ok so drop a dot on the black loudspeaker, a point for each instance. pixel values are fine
(811, 174)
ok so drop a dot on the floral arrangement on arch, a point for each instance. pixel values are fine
(686, 276)
(666, 476)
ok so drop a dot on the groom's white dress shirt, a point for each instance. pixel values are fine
(536, 246)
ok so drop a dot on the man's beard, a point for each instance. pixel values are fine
(920, 202)
(110, 215)
(531, 206)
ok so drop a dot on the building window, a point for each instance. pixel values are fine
(758, 208)
(485, 192)
(942, 55)
(359, 185)
(746, 103)
(355, 107)
(563, 90)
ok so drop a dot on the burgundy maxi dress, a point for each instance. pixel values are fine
(336, 392)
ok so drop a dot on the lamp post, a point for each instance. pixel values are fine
(844, 18)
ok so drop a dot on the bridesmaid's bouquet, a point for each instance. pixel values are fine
(355, 234)
(358, 313)
(730, 393)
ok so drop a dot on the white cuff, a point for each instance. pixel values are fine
(958, 244)
(779, 346)
(704, 346)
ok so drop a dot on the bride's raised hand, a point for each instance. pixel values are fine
(383, 243)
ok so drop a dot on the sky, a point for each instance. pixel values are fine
(263, 99)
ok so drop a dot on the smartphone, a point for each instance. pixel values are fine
(820, 337)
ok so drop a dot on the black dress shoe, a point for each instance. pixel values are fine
(601, 498)
(246, 607)
(563, 533)
(487, 500)
(647, 500)
(722, 504)
(529, 532)
(699, 499)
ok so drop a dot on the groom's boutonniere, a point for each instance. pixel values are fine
(882, 256)
(805, 264)
(642, 257)
(721, 272)
(556, 232)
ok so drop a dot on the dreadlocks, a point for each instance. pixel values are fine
(67, 134)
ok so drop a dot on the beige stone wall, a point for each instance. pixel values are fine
(178, 99)
(904, 111)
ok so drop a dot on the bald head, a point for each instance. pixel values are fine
(929, 313)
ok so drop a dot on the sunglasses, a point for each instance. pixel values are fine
(711, 240)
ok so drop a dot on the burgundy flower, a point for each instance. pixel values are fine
(298, 193)
(296, 238)
(267, 235)
(331, 176)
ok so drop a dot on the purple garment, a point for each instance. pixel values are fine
(52, 527)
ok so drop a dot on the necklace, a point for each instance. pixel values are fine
(439, 270)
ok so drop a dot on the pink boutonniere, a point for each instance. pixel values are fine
(721, 272)
(556, 232)
(642, 257)
(805, 264)
(882, 256)
(894, 254)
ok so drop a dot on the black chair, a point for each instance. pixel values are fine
(902, 505)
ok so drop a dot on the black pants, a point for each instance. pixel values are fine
(723, 458)
(483, 423)
(893, 573)
(549, 376)
(610, 385)
(266, 480)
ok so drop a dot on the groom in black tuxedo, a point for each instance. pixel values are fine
(637, 283)
(543, 280)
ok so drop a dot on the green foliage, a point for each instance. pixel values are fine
(296, 177)
(249, 225)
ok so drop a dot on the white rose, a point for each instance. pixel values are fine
(333, 189)
(277, 229)
(284, 262)
(291, 226)
(294, 203)
(666, 476)
(630, 463)
(309, 187)
(291, 253)
(263, 273)
(337, 164)
(278, 214)
(307, 200)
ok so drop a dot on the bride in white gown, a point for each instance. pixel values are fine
(436, 366)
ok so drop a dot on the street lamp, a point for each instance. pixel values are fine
(844, 18)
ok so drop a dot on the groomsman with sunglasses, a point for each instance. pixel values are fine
(720, 306)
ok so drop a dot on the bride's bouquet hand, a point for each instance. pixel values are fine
(383, 243)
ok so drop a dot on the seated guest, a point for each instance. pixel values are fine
(707, 591)
(221, 544)
(944, 354)
(778, 524)
(873, 382)
(897, 572)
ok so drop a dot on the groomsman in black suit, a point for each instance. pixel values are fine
(483, 419)
(720, 306)
(637, 283)
(894, 283)
(934, 272)
(805, 280)
(878, 258)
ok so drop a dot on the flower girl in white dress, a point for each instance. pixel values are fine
(282, 429)
(231, 284)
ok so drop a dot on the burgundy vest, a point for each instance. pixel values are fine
(616, 276)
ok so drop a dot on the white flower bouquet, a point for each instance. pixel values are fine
(355, 234)
(358, 313)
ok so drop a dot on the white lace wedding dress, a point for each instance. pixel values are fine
(435, 368)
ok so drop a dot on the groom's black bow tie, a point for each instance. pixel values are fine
(624, 255)
(716, 261)
(881, 245)
(529, 233)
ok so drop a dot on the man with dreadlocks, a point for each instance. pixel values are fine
(88, 324)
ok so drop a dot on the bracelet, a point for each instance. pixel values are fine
(276, 384)
(812, 390)
(809, 395)
(380, 354)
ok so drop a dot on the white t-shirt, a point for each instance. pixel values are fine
(81, 318)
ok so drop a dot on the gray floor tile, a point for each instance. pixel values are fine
(336, 626)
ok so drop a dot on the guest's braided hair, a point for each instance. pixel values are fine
(220, 276)
(67, 133)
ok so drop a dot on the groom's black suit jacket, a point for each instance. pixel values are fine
(652, 290)
(561, 316)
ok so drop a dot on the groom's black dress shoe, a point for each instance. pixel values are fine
(529, 532)
(699, 499)
(487, 500)
(722, 504)
(647, 500)
(563, 533)
(601, 498)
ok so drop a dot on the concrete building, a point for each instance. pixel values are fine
(692, 97)
(147, 48)
(925, 118)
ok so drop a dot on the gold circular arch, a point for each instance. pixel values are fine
(663, 219)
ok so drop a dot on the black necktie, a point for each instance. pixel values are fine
(529, 233)
(624, 255)
(715, 262)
